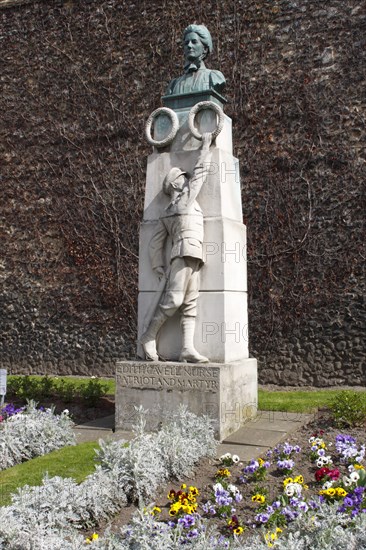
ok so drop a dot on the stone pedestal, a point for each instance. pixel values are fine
(225, 392)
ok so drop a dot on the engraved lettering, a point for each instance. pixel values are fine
(178, 377)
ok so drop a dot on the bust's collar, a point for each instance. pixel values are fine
(193, 67)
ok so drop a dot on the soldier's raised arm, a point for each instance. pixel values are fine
(201, 169)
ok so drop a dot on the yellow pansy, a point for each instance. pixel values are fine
(174, 509)
(223, 472)
(188, 509)
(195, 492)
(258, 498)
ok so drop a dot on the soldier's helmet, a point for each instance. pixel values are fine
(170, 178)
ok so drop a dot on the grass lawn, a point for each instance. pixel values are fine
(74, 461)
(296, 401)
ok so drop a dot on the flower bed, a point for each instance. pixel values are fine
(28, 432)
(283, 499)
(240, 505)
(295, 497)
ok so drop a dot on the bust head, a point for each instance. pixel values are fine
(197, 43)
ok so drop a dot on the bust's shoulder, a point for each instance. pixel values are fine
(217, 80)
(171, 85)
(216, 76)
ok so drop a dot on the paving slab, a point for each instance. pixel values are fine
(280, 420)
(104, 423)
(263, 432)
(101, 428)
(255, 437)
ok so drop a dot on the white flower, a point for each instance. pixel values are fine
(354, 477)
(232, 489)
(346, 481)
(93, 377)
(327, 485)
(311, 439)
(290, 490)
(351, 468)
(323, 460)
(225, 456)
(66, 411)
(235, 459)
(293, 488)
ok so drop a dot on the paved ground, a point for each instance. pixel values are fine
(252, 440)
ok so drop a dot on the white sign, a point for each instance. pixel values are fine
(2, 381)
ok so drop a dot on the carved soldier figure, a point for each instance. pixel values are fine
(182, 221)
(197, 46)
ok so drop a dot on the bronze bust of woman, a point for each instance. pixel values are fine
(196, 78)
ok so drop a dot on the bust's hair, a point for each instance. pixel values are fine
(204, 35)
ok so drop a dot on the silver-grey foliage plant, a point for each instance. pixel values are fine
(33, 433)
(128, 471)
(151, 459)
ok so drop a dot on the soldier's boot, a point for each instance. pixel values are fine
(189, 354)
(148, 339)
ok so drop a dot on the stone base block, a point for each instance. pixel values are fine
(225, 392)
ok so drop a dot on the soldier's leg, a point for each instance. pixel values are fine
(188, 318)
(176, 289)
(148, 339)
(171, 301)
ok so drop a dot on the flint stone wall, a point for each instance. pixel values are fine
(79, 79)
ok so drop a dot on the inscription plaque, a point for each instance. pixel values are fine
(180, 377)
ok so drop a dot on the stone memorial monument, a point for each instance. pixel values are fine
(192, 311)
